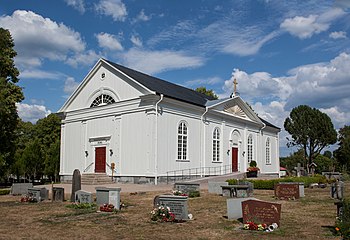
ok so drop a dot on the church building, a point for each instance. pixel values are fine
(137, 128)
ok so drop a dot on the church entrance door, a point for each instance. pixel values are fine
(234, 159)
(100, 159)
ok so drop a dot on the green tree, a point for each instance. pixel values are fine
(10, 94)
(342, 154)
(33, 159)
(311, 130)
(292, 160)
(207, 92)
(324, 164)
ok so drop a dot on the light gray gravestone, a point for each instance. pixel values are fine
(299, 169)
(76, 184)
(187, 188)
(178, 205)
(58, 194)
(20, 188)
(215, 187)
(234, 207)
(238, 191)
(108, 195)
(34, 193)
(83, 197)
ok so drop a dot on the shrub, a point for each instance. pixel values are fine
(4, 191)
(270, 184)
(194, 194)
(343, 222)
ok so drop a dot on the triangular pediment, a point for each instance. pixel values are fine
(234, 107)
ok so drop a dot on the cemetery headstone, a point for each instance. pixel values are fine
(299, 169)
(215, 187)
(108, 195)
(35, 194)
(58, 194)
(332, 175)
(234, 207)
(156, 201)
(261, 212)
(44, 193)
(187, 188)
(287, 191)
(76, 184)
(238, 191)
(178, 205)
(20, 188)
(337, 190)
(301, 187)
(83, 197)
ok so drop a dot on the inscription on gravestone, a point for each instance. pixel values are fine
(76, 184)
(83, 197)
(261, 212)
(287, 191)
(177, 204)
(58, 194)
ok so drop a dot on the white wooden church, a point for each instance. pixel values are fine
(148, 128)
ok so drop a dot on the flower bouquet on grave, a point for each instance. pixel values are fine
(162, 214)
(107, 208)
(28, 198)
(179, 193)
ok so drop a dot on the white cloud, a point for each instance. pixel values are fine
(306, 27)
(77, 4)
(203, 81)
(337, 35)
(87, 58)
(32, 113)
(339, 118)
(38, 38)
(153, 62)
(39, 74)
(136, 41)
(70, 85)
(114, 8)
(109, 41)
(142, 17)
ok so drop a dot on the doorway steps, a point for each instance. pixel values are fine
(95, 178)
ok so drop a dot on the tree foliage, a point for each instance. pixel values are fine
(311, 130)
(10, 94)
(207, 92)
(342, 154)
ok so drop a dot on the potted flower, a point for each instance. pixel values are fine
(252, 170)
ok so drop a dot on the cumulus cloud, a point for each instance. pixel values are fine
(338, 35)
(114, 8)
(38, 38)
(39, 74)
(306, 27)
(70, 85)
(77, 4)
(153, 62)
(31, 113)
(87, 58)
(136, 41)
(109, 41)
(142, 17)
(203, 81)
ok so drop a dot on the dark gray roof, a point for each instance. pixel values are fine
(168, 89)
(171, 90)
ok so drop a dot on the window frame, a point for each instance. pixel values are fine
(250, 148)
(216, 145)
(268, 152)
(182, 142)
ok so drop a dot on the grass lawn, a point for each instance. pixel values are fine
(307, 218)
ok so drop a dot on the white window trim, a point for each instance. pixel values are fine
(216, 159)
(177, 142)
(268, 152)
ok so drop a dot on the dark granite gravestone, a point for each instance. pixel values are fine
(83, 197)
(156, 201)
(34, 193)
(76, 184)
(261, 212)
(287, 191)
(20, 188)
(178, 205)
(58, 194)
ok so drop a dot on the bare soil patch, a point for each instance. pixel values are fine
(305, 218)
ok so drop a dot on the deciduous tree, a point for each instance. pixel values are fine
(207, 92)
(342, 154)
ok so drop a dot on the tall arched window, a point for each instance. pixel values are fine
(103, 99)
(216, 145)
(182, 141)
(268, 157)
(250, 148)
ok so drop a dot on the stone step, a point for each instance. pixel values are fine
(91, 179)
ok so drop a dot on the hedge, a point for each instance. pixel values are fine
(4, 191)
(270, 184)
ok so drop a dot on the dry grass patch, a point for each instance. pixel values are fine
(301, 219)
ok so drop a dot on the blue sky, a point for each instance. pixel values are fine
(283, 53)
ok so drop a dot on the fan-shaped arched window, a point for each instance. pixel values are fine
(103, 99)
(216, 145)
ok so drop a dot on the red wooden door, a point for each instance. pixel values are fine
(234, 159)
(100, 159)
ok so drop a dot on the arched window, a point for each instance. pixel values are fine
(103, 99)
(216, 145)
(250, 148)
(268, 157)
(182, 141)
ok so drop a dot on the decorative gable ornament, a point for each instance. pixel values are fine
(235, 110)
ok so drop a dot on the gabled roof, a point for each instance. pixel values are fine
(163, 87)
